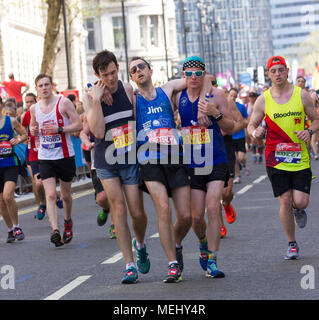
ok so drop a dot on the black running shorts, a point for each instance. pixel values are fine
(282, 180)
(63, 169)
(220, 172)
(97, 185)
(231, 157)
(171, 175)
(239, 145)
(8, 174)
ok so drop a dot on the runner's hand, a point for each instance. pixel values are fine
(34, 130)
(107, 97)
(15, 141)
(208, 108)
(303, 135)
(259, 132)
(50, 129)
(97, 90)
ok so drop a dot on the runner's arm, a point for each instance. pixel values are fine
(34, 126)
(253, 128)
(310, 111)
(75, 121)
(239, 121)
(84, 134)
(93, 109)
(23, 136)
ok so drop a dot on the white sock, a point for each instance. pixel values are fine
(139, 246)
(16, 226)
(130, 264)
(171, 262)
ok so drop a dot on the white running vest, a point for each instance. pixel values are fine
(53, 146)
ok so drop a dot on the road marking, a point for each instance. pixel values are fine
(69, 287)
(24, 278)
(245, 189)
(261, 178)
(155, 235)
(113, 259)
(249, 186)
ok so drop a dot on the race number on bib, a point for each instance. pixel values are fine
(288, 152)
(53, 141)
(195, 135)
(122, 136)
(163, 136)
(5, 148)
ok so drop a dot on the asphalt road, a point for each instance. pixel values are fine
(90, 267)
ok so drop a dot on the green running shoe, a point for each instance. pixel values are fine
(112, 232)
(142, 260)
(130, 276)
(102, 217)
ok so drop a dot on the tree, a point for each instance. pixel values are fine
(50, 47)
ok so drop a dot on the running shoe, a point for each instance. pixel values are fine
(236, 180)
(130, 276)
(223, 232)
(41, 212)
(102, 217)
(174, 274)
(203, 257)
(56, 238)
(67, 233)
(255, 159)
(11, 237)
(59, 202)
(292, 251)
(316, 157)
(112, 232)
(18, 233)
(179, 258)
(300, 217)
(313, 176)
(230, 213)
(142, 259)
(213, 271)
(247, 172)
(260, 159)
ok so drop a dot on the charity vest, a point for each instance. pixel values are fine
(284, 151)
(7, 158)
(53, 146)
(204, 142)
(117, 149)
(156, 128)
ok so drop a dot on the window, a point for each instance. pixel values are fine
(118, 32)
(91, 34)
(149, 31)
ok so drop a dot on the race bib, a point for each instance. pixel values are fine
(195, 135)
(50, 141)
(5, 148)
(123, 136)
(163, 136)
(288, 152)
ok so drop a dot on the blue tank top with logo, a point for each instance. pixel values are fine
(7, 157)
(156, 127)
(206, 144)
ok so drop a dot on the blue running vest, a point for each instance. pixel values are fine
(156, 126)
(7, 157)
(188, 114)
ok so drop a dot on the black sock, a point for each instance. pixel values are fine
(291, 242)
(68, 221)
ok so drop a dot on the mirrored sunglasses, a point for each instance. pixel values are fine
(198, 73)
(141, 66)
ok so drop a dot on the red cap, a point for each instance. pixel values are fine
(276, 60)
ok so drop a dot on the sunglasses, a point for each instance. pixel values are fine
(198, 73)
(141, 66)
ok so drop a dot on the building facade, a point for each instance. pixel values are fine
(22, 32)
(230, 35)
(143, 30)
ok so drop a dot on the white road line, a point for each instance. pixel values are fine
(245, 189)
(113, 259)
(66, 289)
(261, 178)
(155, 235)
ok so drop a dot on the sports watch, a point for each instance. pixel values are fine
(219, 117)
(60, 129)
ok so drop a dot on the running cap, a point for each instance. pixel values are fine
(194, 62)
(273, 61)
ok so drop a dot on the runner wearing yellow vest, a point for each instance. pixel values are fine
(284, 108)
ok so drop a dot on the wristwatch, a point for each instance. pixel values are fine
(310, 131)
(219, 117)
(60, 129)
